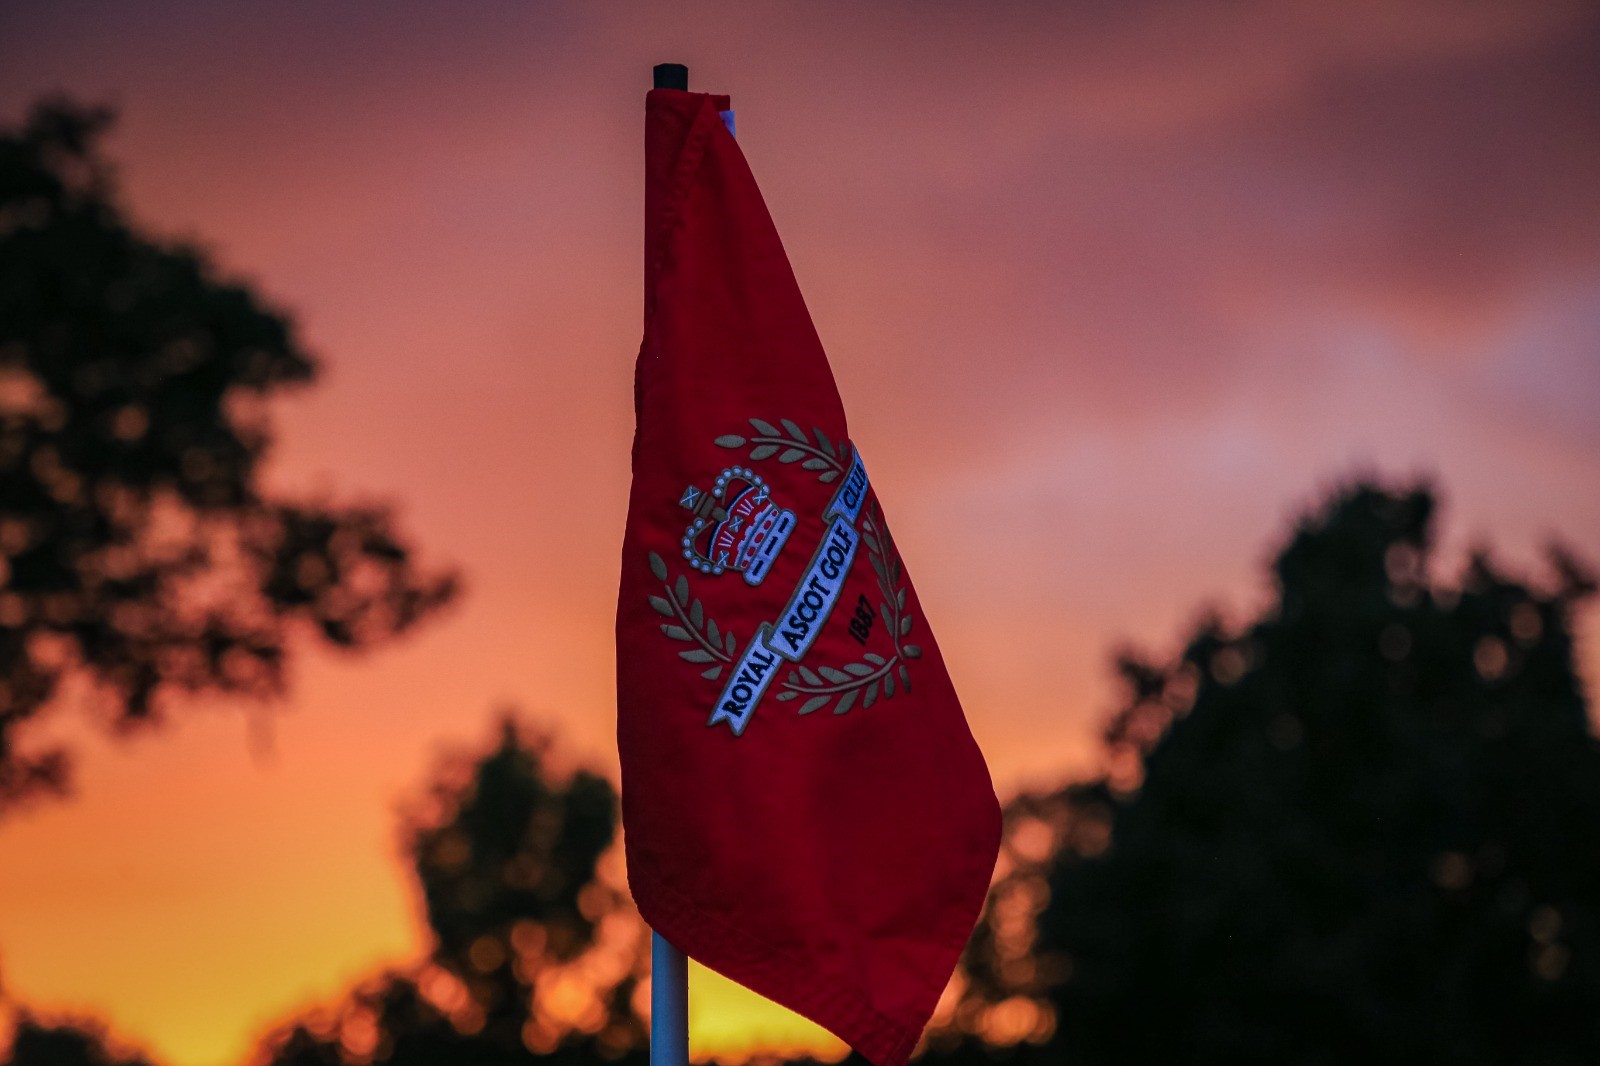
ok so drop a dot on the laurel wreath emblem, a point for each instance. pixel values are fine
(690, 623)
(874, 674)
(865, 680)
(820, 456)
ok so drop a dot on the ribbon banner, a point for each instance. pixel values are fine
(813, 600)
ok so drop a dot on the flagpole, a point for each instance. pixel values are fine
(669, 1004)
(671, 76)
(669, 969)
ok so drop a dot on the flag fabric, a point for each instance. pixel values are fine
(804, 807)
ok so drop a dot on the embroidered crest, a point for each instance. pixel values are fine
(737, 526)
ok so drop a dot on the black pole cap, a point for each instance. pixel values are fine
(672, 76)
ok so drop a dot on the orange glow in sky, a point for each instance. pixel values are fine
(1112, 291)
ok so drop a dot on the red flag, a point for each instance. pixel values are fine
(805, 809)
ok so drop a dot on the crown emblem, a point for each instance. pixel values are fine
(736, 526)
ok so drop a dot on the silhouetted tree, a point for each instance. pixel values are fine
(1004, 977)
(1364, 827)
(65, 1043)
(137, 549)
(536, 954)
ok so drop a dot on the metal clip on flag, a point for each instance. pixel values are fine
(805, 809)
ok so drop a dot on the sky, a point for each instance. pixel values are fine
(1113, 291)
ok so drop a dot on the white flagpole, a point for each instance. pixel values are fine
(669, 969)
(669, 1004)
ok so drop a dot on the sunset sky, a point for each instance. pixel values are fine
(1112, 290)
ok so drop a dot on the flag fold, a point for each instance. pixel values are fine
(805, 809)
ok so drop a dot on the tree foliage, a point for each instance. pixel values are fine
(536, 956)
(1363, 827)
(138, 550)
(65, 1042)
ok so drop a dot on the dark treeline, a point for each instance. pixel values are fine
(1362, 826)
(536, 956)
